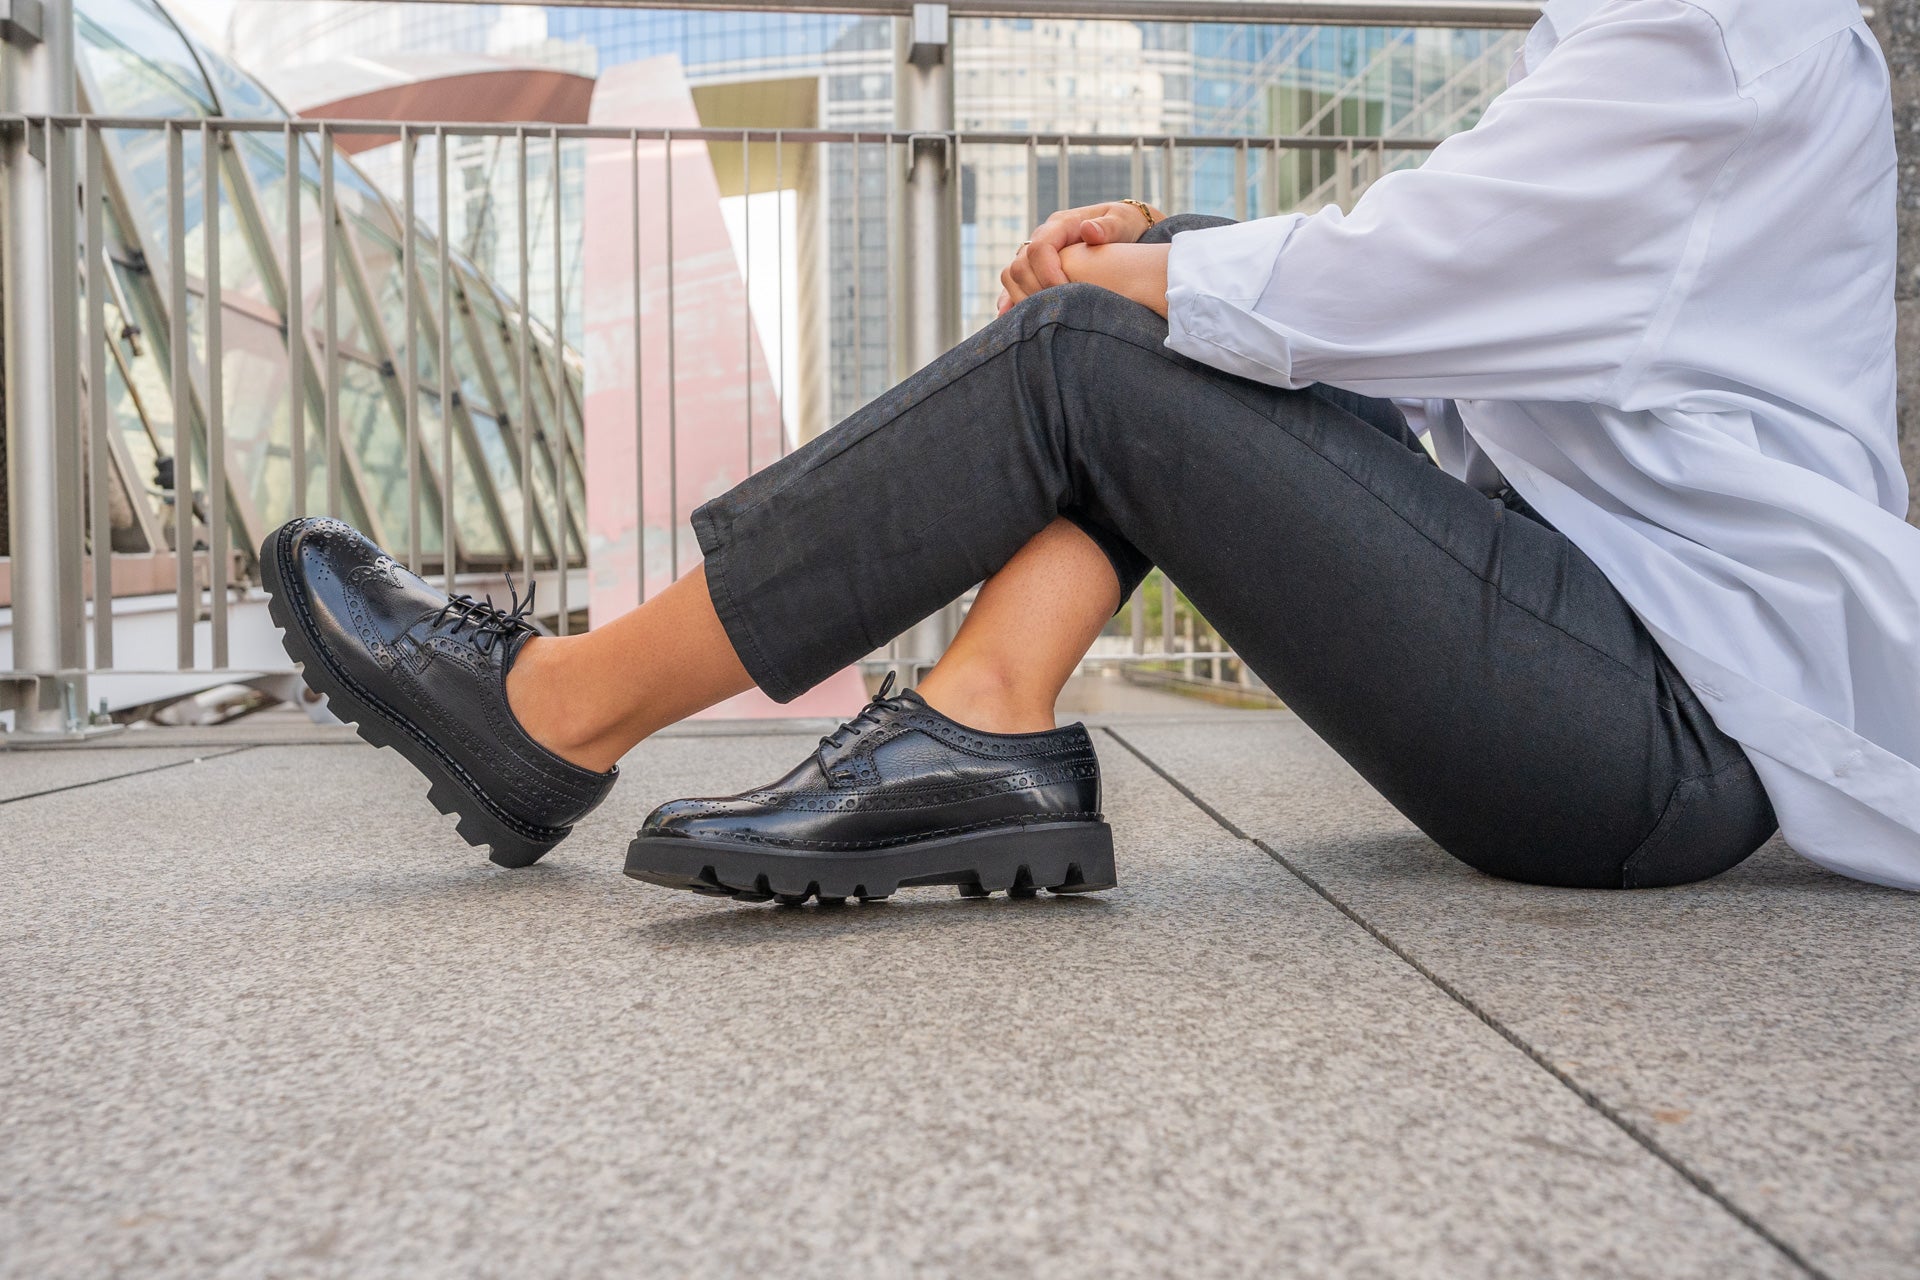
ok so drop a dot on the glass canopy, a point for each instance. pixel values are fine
(135, 61)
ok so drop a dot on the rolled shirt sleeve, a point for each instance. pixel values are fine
(1530, 258)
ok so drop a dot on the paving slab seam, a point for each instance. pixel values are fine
(132, 773)
(1699, 1182)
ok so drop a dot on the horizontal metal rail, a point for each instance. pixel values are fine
(622, 133)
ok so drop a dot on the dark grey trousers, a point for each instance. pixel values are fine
(1468, 660)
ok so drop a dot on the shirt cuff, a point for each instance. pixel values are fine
(1215, 276)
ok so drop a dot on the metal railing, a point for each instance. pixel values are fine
(440, 388)
(431, 408)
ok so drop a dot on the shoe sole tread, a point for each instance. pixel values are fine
(1060, 857)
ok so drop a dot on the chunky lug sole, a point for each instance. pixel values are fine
(510, 842)
(1060, 857)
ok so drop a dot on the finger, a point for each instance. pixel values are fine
(1044, 261)
(1105, 229)
(1072, 218)
(1023, 280)
(1062, 229)
(1053, 225)
(1002, 303)
(1018, 280)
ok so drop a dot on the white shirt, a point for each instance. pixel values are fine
(1656, 282)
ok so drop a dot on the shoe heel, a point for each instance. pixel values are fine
(1086, 850)
(505, 847)
(1060, 857)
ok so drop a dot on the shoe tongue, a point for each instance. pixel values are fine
(908, 695)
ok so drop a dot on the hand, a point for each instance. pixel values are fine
(1137, 271)
(1036, 265)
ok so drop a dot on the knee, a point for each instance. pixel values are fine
(1099, 355)
(1086, 307)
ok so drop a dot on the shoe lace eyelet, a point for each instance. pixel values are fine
(483, 624)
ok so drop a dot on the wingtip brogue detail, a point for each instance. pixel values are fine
(898, 796)
(425, 674)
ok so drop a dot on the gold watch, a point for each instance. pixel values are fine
(1145, 209)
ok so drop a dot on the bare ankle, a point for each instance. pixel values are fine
(542, 700)
(983, 697)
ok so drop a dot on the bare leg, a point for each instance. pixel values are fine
(593, 697)
(1025, 635)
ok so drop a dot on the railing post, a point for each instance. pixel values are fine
(43, 471)
(923, 108)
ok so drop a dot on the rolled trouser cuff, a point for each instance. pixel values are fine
(1130, 566)
(712, 525)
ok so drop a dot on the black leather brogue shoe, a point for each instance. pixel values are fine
(427, 676)
(898, 796)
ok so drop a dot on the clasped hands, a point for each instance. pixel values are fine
(1093, 244)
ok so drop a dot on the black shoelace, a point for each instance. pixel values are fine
(484, 622)
(864, 721)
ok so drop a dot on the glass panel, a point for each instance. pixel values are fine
(544, 507)
(576, 511)
(241, 96)
(378, 444)
(576, 496)
(139, 442)
(380, 255)
(355, 192)
(241, 274)
(346, 323)
(139, 158)
(314, 428)
(135, 63)
(265, 159)
(576, 383)
(497, 452)
(124, 531)
(478, 536)
(259, 458)
(473, 387)
(151, 428)
(470, 386)
(496, 348)
(576, 493)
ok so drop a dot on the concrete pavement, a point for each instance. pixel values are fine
(265, 1015)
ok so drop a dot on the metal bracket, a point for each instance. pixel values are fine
(51, 691)
(927, 45)
(34, 691)
(917, 142)
(18, 691)
(22, 22)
